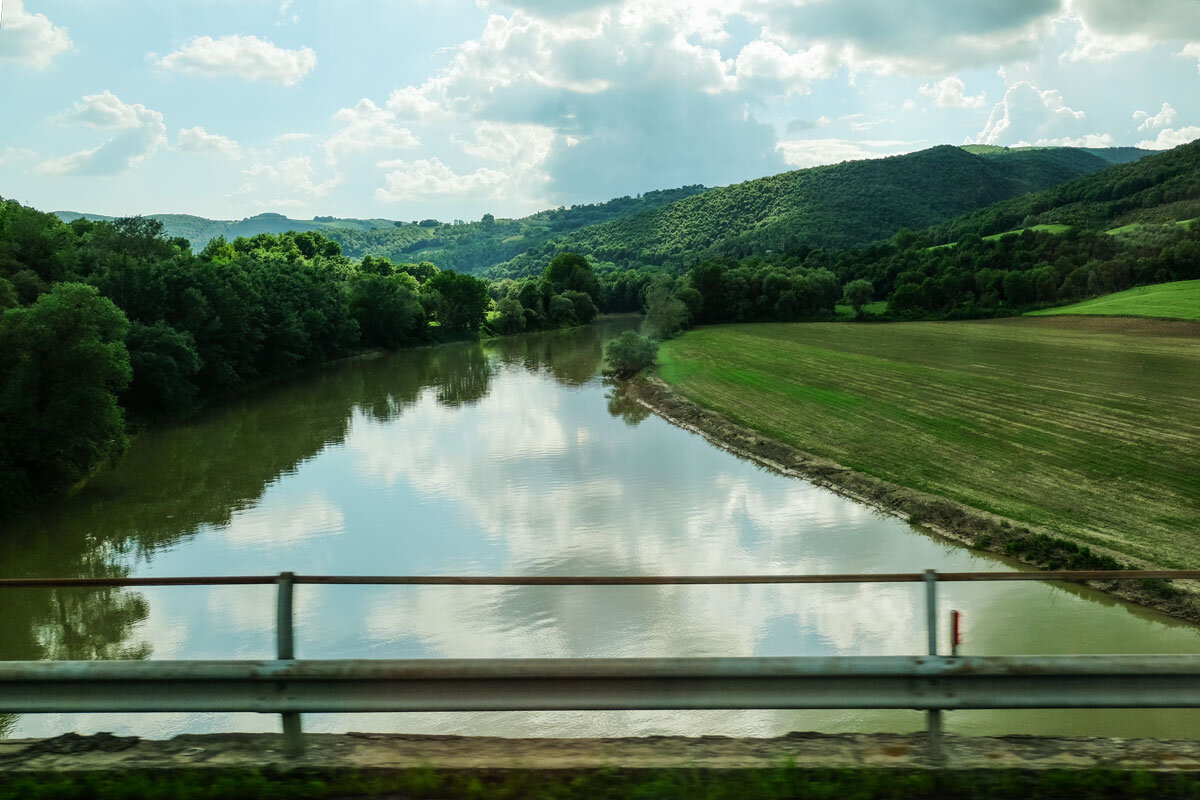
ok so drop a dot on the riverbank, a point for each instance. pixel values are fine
(798, 765)
(1030, 544)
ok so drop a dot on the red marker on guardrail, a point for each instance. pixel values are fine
(955, 631)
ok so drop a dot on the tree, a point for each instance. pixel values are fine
(629, 354)
(163, 361)
(857, 294)
(387, 309)
(62, 363)
(562, 311)
(510, 316)
(665, 312)
(572, 271)
(585, 309)
(462, 300)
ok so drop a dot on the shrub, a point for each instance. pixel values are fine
(630, 353)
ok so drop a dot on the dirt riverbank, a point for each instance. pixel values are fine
(946, 518)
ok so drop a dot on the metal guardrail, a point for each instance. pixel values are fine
(929, 683)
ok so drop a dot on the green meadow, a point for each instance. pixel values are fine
(1178, 300)
(1088, 428)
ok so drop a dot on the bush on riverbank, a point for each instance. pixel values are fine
(629, 354)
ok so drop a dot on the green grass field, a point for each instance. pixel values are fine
(1178, 300)
(1083, 426)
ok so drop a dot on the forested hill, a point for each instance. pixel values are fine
(460, 246)
(1164, 187)
(838, 206)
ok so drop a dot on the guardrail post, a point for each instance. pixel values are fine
(285, 650)
(933, 718)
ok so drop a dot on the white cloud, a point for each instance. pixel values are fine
(801, 153)
(1110, 28)
(407, 181)
(514, 145)
(1028, 114)
(1172, 137)
(1087, 140)
(931, 37)
(292, 137)
(240, 57)
(16, 155)
(138, 133)
(765, 68)
(909, 104)
(410, 103)
(198, 140)
(951, 92)
(30, 39)
(288, 182)
(1192, 50)
(365, 127)
(1162, 119)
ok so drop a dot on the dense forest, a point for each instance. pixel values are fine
(103, 324)
(844, 205)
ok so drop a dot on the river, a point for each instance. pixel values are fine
(510, 457)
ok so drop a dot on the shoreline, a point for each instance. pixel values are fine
(942, 517)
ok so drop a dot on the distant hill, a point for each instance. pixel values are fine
(199, 230)
(838, 206)
(1113, 155)
(1159, 188)
(462, 246)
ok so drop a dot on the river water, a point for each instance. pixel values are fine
(510, 457)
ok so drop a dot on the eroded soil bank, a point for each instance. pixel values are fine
(947, 518)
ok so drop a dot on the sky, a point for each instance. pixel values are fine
(409, 109)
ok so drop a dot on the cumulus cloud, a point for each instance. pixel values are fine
(367, 127)
(928, 37)
(198, 140)
(951, 92)
(137, 134)
(766, 69)
(801, 153)
(240, 57)
(515, 145)
(1171, 137)
(1192, 50)
(1163, 118)
(290, 182)
(1029, 115)
(430, 177)
(1109, 28)
(636, 98)
(30, 39)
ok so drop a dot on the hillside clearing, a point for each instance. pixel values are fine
(1177, 300)
(1086, 428)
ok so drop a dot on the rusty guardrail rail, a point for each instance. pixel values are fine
(930, 683)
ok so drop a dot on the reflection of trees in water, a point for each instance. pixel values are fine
(573, 356)
(621, 404)
(179, 478)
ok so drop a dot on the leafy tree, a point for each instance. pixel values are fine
(562, 310)
(665, 312)
(858, 293)
(62, 363)
(571, 271)
(462, 300)
(629, 354)
(387, 309)
(510, 316)
(585, 309)
(163, 361)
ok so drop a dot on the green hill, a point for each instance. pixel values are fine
(837, 206)
(461, 246)
(1176, 300)
(1157, 189)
